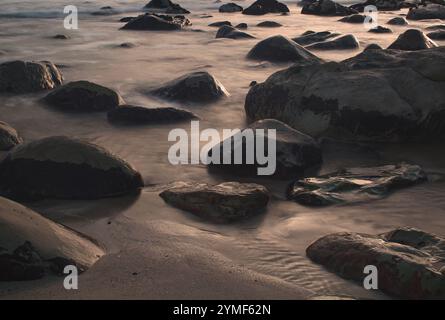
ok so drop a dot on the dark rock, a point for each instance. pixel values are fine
(230, 7)
(232, 33)
(295, 151)
(261, 7)
(194, 87)
(22, 265)
(431, 11)
(9, 137)
(105, 11)
(398, 21)
(241, 26)
(355, 18)
(128, 114)
(281, 49)
(127, 45)
(61, 37)
(165, 6)
(313, 37)
(220, 24)
(355, 184)
(408, 260)
(383, 5)
(373, 46)
(437, 35)
(253, 83)
(327, 8)
(25, 77)
(225, 202)
(65, 168)
(380, 29)
(350, 99)
(269, 24)
(156, 22)
(127, 19)
(412, 39)
(436, 27)
(341, 43)
(83, 96)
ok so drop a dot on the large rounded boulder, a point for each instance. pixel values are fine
(65, 168)
(83, 96)
(9, 137)
(230, 7)
(430, 11)
(232, 33)
(32, 246)
(281, 49)
(166, 6)
(25, 76)
(313, 37)
(261, 7)
(412, 39)
(128, 114)
(196, 87)
(345, 42)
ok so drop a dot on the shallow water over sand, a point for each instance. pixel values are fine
(272, 244)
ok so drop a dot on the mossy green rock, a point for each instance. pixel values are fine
(408, 260)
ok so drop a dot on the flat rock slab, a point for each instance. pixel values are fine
(225, 202)
(431, 11)
(137, 115)
(32, 246)
(313, 37)
(345, 42)
(232, 33)
(9, 137)
(409, 261)
(355, 185)
(327, 8)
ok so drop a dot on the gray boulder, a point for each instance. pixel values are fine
(430, 11)
(412, 39)
(327, 8)
(436, 27)
(350, 99)
(380, 29)
(408, 260)
(313, 37)
(9, 137)
(225, 202)
(194, 87)
(165, 6)
(230, 7)
(83, 96)
(65, 168)
(128, 114)
(281, 49)
(261, 7)
(220, 24)
(373, 46)
(437, 35)
(355, 18)
(398, 21)
(156, 22)
(25, 77)
(232, 33)
(345, 42)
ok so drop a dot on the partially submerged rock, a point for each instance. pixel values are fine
(269, 24)
(225, 202)
(232, 33)
(241, 26)
(261, 7)
(61, 37)
(281, 49)
(220, 24)
(398, 21)
(83, 96)
(350, 99)
(313, 37)
(166, 6)
(437, 35)
(65, 168)
(296, 152)
(373, 46)
(105, 11)
(33, 246)
(430, 11)
(327, 8)
(355, 18)
(157, 22)
(25, 76)
(408, 260)
(380, 29)
(9, 137)
(193, 87)
(383, 5)
(128, 114)
(230, 7)
(345, 42)
(355, 184)
(436, 27)
(412, 39)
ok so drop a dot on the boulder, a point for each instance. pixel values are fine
(225, 202)
(355, 184)
(128, 114)
(350, 99)
(83, 96)
(126, 19)
(232, 33)
(230, 7)
(383, 5)
(165, 6)
(373, 46)
(437, 35)
(156, 22)
(412, 39)
(341, 43)
(105, 11)
(408, 260)
(220, 24)
(241, 26)
(398, 21)
(269, 24)
(355, 18)
(281, 49)
(313, 37)
(380, 29)
(194, 87)
(327, 8)
(9, 137)
(61, 37)
(261, 7)
(32, 246)
(296, 152)
(25, 77)
(430, 11)
(65, 168)
(436, 27)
